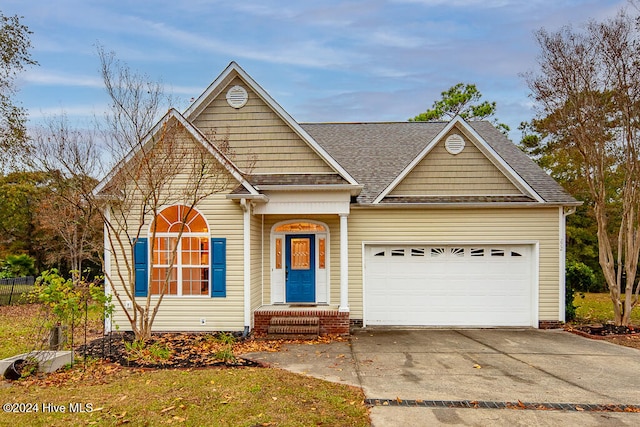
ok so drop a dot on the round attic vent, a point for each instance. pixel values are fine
(454, 144)
(237, 96)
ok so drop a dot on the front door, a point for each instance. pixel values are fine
(300, 273)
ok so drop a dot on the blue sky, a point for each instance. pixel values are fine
(365, 60)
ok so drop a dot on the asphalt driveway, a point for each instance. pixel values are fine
(489, 376)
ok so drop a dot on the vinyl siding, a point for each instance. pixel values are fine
(225, 220)
(256, 261)
(467, 173)
(261, 141)
(459, 225)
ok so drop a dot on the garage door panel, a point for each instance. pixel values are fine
(448, 285)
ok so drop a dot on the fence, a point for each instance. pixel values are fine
(12, 290)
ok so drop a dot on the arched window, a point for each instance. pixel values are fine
(180, 252)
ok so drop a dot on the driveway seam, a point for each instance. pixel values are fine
(536, 367)
(356, 364)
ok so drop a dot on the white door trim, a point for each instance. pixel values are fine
(535, 266)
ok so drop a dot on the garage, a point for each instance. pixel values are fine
(450, 285)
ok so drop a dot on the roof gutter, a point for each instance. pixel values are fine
(353, 189)
(253, 197)
(512, 205)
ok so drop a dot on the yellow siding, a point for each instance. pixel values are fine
(459, 225)
(256, 261)
(467, 173)
(225, 220)
(260, 140)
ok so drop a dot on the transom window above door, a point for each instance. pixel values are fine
(300, 227)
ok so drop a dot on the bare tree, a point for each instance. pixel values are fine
(159, 162)
(71, 161)
(588, 97)
(159, 166)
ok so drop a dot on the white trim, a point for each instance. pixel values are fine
(535, 266)
(484, 146)
(562, 283)
(196, 134)
(344, 264)
(277, 276)
(219, 83)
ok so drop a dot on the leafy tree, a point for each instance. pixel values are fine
(17, 266)
(14, 56)
(563, 165)
(20, 196)
(462, 100)
(587, 92)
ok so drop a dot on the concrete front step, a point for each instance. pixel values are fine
(294, 329)
(292, 320)
(290, 336)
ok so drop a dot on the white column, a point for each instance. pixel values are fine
(344, 264)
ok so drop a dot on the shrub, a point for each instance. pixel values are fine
(578, 277)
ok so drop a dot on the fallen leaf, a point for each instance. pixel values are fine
(477, 366)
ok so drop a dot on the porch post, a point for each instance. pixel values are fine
(344, 264)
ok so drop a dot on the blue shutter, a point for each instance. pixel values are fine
(141, 262)
(218, 267)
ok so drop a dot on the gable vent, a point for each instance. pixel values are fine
(454, 144)
(237, 96)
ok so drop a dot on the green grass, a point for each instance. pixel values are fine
(598, 308)
(19, 294)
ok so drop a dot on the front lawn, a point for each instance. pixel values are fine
(200, 397)
(597, 308)
(113, 395)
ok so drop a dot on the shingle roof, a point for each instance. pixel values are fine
(376, 153)
(296, 179)
(373, 153)
(457, 199)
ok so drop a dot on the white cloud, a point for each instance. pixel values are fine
(48, 78)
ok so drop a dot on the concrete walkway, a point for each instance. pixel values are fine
(408, 375)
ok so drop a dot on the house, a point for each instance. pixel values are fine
(336, 224)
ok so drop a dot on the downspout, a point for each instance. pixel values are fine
(563, 260)
(246, 210)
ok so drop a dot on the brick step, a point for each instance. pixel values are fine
(294, 329)
(292, 320)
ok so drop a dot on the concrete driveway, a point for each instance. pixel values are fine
(477, 376)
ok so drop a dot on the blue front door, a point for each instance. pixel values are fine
(300, 275)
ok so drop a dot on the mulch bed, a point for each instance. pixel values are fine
(180, 351)
(603, 330)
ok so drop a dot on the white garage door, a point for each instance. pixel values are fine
(449, 285)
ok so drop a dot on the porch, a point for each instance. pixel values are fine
(300, 319)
